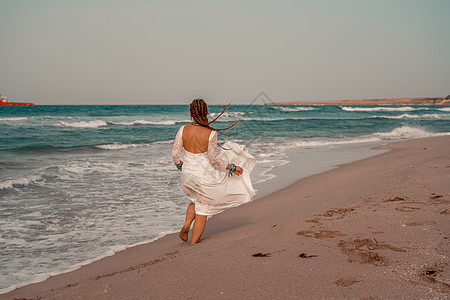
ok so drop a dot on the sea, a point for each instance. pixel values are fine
(79, 183)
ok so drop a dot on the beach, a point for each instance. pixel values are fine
(372, 229)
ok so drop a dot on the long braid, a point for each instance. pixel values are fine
(199, 113)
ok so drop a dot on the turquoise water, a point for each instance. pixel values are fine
(78, 183)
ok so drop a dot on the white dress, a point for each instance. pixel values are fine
(205, 180)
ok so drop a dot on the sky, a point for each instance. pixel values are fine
(170, 52)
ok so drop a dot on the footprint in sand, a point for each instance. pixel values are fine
(434, 196)
(433, 275)
(395, 199)
(321, 234)
(315, 220)
(362, 234)
(421, 223)
(445, 212)
(337, 211)
(169, 255)
(345, 282)
(407, 208)
(361, 250)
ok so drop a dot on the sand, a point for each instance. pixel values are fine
(378, 228)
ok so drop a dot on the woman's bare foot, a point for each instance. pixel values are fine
(184, 232)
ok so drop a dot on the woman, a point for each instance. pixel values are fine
(212, 182)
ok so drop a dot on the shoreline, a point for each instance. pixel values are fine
(310, 161)
(225, 227)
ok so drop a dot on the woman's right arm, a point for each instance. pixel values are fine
(177, 146)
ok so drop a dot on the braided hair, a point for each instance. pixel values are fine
(199, 113)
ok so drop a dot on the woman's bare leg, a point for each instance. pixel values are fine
(190, 216)
(199, 227)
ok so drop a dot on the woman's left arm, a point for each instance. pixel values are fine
(216, 161)
(213, 155)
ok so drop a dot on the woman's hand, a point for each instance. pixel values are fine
(238, 170)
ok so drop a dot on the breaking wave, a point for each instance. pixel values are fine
(330, 142)
(22, 181)
(382, 108)
(409, 116)
(145, 122)
(83, 124)
(117, 146)
(297, 108)
(13, 119)
(405, 132)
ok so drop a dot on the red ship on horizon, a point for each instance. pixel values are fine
(5, 102)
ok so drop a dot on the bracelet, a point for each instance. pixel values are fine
(179, 165)
(232, 168)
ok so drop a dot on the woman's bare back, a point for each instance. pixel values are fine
(196, 138)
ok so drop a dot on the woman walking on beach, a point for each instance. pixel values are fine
(212, 182)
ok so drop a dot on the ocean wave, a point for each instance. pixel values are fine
(145, 122)
(304, 143)
(13, 119)
(116, 146)
(22, 181)
(445, 109)
(271, 119)
(409, 116)
(297, 108)
(229, 114)
(382, 108)
(83, 124)
(405, 132)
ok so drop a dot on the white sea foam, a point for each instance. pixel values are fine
(145, 122)
(83, 124)
(92, 167)
(330, 142)
(13, 119)
(382, 108)
(409, 116)
(21, 181)
(77, 169)
(445, 109)
(163, 142)
(264, 168)
(117, 146)
(269, 119)
(405, 132)
(297, 108)
(232, 114)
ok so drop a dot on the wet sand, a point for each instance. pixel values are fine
(373, 229)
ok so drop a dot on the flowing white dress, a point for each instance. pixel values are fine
(205, 180)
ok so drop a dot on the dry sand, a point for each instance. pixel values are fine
(378, 228)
